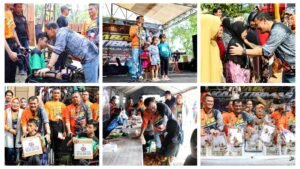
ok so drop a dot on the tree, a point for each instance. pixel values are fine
(232, 10)
(183, 32)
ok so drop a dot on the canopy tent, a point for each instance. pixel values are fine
(141, 90)
(160, 13)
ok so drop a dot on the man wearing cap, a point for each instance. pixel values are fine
(76, 45)
(62, 19)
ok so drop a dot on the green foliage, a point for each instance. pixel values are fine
(232, 10)
(77, 14)
(183, 33)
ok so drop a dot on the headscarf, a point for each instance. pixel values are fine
(211, 65)
(12, 100)
(238, 28)
(226, 25)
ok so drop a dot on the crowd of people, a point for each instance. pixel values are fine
(59, 121)
(162, 123)
(248, 115)
(82, 46)
(259, 49)
(150, 55)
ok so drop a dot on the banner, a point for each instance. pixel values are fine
(32, 146)
(83, 149)
(116, 40)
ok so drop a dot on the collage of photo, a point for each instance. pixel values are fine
(173, 78)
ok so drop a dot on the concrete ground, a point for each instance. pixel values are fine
(20, 78)
(251, 160)
(183, 77)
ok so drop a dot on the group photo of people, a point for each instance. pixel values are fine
(248, 125)
(149, 42)
(47, 125)
(48, 42)
(248, 43)
(149, 126)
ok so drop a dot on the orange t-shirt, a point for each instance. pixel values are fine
(73, 118)
(140, 105)
(9, 25)
(290, 118)
(230, 118)
(135, 38)
(280, 121)
(95, 111)
(149, 117)
(26, 116)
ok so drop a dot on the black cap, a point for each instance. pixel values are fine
(62, 8)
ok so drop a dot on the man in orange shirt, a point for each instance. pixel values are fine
(157, 114)
(37, 113)
(90, 28)
(238, 118)
(77, 114)
(12, 45)
(138, 36)
(280, 118)
(229, 109)
(211, 119)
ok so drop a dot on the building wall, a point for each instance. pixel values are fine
(20, 92)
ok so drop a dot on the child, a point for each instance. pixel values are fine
(37, 58)
(146, 61)
(91, 127)
(164, 53)
(155, 60)
(31, 130)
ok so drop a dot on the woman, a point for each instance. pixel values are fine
(13, 133)
(227, 35)
(220, 43)
(237, 67)
(211, 65)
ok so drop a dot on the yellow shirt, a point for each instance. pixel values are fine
(89, 104)
(88, 25)
(9, 25)
(54, 110)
